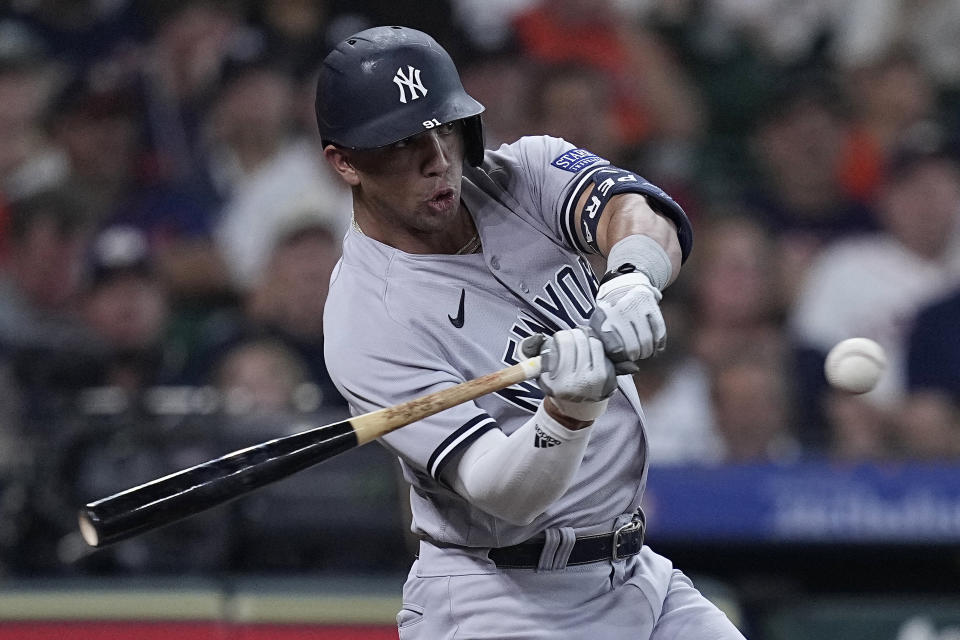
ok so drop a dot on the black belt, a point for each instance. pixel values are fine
(617, 545)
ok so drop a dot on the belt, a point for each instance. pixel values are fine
(616, 545)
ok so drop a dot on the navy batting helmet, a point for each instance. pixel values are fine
(385, 84)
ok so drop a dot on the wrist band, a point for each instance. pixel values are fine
(639, 253)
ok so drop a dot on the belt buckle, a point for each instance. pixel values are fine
(634, 525)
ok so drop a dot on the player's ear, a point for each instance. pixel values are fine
(341, 163)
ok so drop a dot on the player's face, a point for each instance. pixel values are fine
(414, 184)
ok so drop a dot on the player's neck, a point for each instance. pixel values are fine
(458, 238)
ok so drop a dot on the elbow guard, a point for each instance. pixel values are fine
(607, 182)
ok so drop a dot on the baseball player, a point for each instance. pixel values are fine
(460, 262)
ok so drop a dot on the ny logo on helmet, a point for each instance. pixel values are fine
(411, 81)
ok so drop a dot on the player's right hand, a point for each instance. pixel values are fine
(628, 320)
(575, 372)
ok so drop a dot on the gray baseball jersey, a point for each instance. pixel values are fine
(400, 325)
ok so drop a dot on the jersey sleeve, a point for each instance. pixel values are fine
(544, 174)
(392, 367)
(548, 176)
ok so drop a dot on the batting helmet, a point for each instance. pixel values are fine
(385, 84)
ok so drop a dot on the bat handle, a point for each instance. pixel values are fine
(531, 367)
(373, 425)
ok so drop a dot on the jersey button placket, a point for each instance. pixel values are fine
(495, 262)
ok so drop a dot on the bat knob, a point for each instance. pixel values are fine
(87, 529)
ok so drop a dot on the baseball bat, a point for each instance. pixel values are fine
(190, 491)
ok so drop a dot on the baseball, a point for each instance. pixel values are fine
(855, 365)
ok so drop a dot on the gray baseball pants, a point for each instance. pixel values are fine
(454, 596)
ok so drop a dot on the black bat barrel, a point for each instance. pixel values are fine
(190, 491)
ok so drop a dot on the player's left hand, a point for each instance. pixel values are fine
(628, 320)
(576, 374)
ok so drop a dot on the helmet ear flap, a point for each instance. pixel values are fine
(473, 140)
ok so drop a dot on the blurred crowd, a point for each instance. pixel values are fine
(168, 227)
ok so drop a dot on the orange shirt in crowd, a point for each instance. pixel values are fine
(592, 44)
(861, 166)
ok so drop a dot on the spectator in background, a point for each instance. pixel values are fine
(734, 317)
(182, 67)
(286, 304)
(930, 419)
(932, 29)
(262, 168)
(574, 102)
(933, 350)
(126, 306)
(29, 160)
(892, 99)
(924, 425)
(799, 146)
(751, 400)
(45, 259)
(674, 388)
(290, 298)
(735, 296)
(873, 285)
(101, 129)
(488, 26)
(927, 427)
(737, 402)
(294, 32)
(502, 83)
(40, 285)
(652, 97)
(82, 34)
(839, 35)
(260, 376)
(846, 428)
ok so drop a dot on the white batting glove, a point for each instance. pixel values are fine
(628, 320)
(575, 372)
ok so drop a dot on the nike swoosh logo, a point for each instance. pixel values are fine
(458, 321)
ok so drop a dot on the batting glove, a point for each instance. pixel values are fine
(628, 320)
(575, 372)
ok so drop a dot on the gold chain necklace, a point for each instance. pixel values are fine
(473, 244)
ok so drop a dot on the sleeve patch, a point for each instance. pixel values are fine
(575, 160)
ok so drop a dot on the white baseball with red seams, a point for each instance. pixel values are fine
(855, 365)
